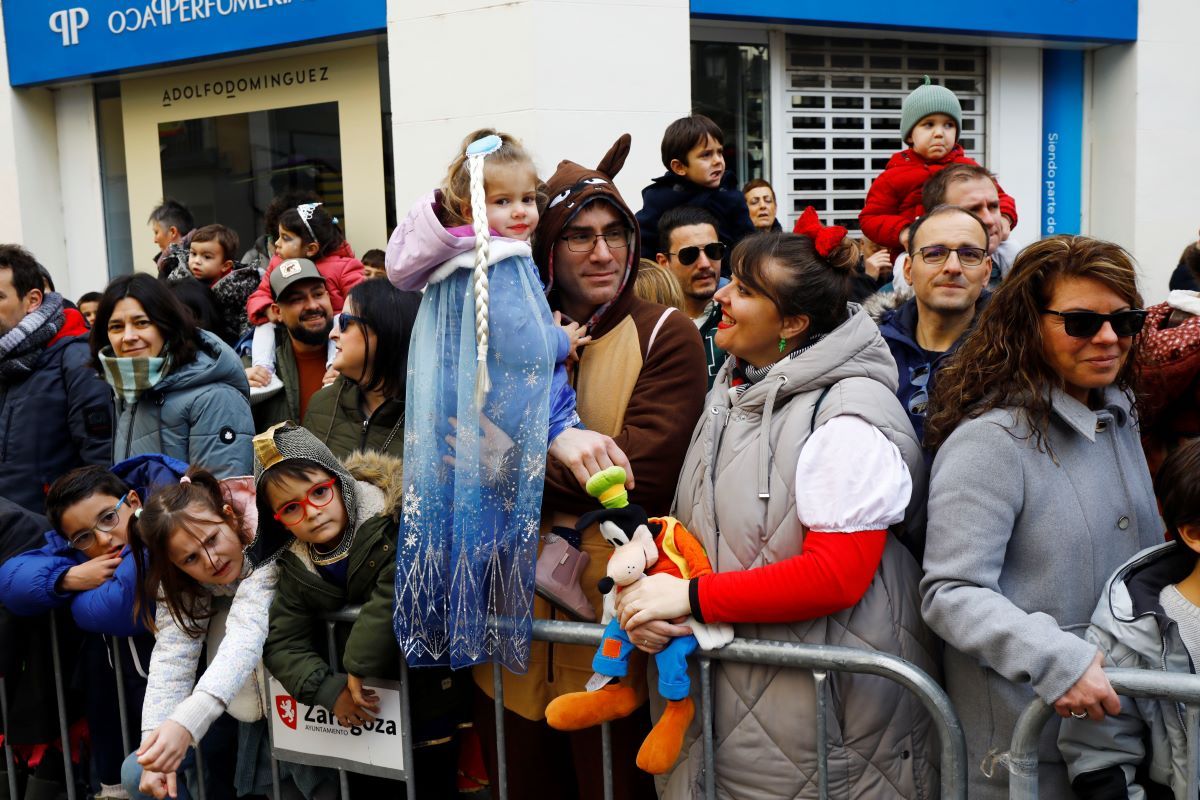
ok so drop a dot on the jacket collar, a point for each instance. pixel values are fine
(1083, 420)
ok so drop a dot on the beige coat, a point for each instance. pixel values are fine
(881, 743)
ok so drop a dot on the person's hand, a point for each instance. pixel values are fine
(495, 449)
(656, 634)
(660, 596)
(1092, 694)
(878, 263)
(91, 573)
(163, 749)
(365, 698)
(349, 713)
(587, 452)
(331, 375)
(158, 784)
(258, 376)
(575, 334)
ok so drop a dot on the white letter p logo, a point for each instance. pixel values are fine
(69, 23)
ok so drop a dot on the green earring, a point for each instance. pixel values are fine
(782, 344)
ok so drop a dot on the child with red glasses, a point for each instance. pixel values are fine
(341, 522)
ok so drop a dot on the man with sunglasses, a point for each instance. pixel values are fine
(948, 270)
(304, 311)
(693, 254)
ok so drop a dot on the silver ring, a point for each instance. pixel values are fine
(1079, 714)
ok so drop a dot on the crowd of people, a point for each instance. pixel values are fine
(929, 442)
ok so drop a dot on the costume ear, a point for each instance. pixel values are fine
(614, 159)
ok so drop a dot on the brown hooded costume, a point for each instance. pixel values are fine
(641, 381)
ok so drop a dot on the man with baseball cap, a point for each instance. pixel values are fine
(303, 313)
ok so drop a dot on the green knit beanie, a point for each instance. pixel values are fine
(925, 100)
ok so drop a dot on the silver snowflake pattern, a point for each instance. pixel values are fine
(412, 504)
(412, 437)
(509, 505)
(410, 539)
(532, 378)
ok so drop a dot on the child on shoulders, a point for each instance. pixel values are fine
(212, 251)
(693, 151)
(1148, 617)
(931, 124)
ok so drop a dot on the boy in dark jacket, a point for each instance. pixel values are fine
(693, 151)
(212, 254)
(86, 565)
(930, 123)
(344, 520)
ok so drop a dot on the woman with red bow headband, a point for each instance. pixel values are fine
(808, 466)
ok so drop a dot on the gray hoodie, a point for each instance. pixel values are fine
(1104, 759)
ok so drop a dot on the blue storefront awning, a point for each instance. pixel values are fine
(1099, 21)
(51, 42)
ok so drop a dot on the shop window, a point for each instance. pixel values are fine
(228, 168)
(860, 94)
(729, 84)
(110, 129)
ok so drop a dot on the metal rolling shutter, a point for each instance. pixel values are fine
(842, 101)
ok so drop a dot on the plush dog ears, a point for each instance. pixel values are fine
(614, 159)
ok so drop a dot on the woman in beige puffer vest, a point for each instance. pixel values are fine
(800, 465)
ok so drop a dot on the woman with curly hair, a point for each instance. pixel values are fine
(1039, 492)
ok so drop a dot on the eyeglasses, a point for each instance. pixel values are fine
(1086, 324)
(715, 251)
(343, 319)
(318, 496)
(104, 523)
(936, 254)
(585, 242)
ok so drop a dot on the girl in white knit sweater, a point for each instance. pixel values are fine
(193, 539)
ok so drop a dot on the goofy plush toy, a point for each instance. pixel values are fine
(643, 547)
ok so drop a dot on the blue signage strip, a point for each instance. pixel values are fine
(65, 39)
(1062, 141)
(1067, 20)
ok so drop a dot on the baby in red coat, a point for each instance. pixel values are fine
(930, 121)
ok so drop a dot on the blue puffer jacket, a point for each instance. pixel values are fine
(199, 413)
(28, 581)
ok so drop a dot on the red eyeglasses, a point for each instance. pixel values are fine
(319, 495)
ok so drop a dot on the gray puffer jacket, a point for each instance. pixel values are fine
(199, 413)
(1108, 758)
(737, 494)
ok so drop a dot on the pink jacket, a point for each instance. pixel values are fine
(420, 244)
(341, 270)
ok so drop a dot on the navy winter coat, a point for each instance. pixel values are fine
(899, 329)
(726, 203)
(199, 414)
(57, 418)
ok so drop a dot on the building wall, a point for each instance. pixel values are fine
(1144, 169)
(566, 76)
(1014, 131)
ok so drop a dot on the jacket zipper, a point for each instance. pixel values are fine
(129, 433)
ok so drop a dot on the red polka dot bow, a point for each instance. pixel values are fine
(824, 238)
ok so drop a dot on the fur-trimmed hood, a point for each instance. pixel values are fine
(379, 486)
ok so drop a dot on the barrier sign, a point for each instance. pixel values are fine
(311, 735)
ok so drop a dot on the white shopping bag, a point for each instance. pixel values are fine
(311, 735)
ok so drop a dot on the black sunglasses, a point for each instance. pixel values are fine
(688, 255)
(1086, 324)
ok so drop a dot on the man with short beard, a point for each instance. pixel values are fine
(304, 312)
(948, 269)
(693, 255)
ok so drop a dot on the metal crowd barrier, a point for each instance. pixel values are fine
(1022, 757)
(819, 659)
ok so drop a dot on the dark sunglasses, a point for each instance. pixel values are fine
(688, 255)
(343, 320)
(1086, 324)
